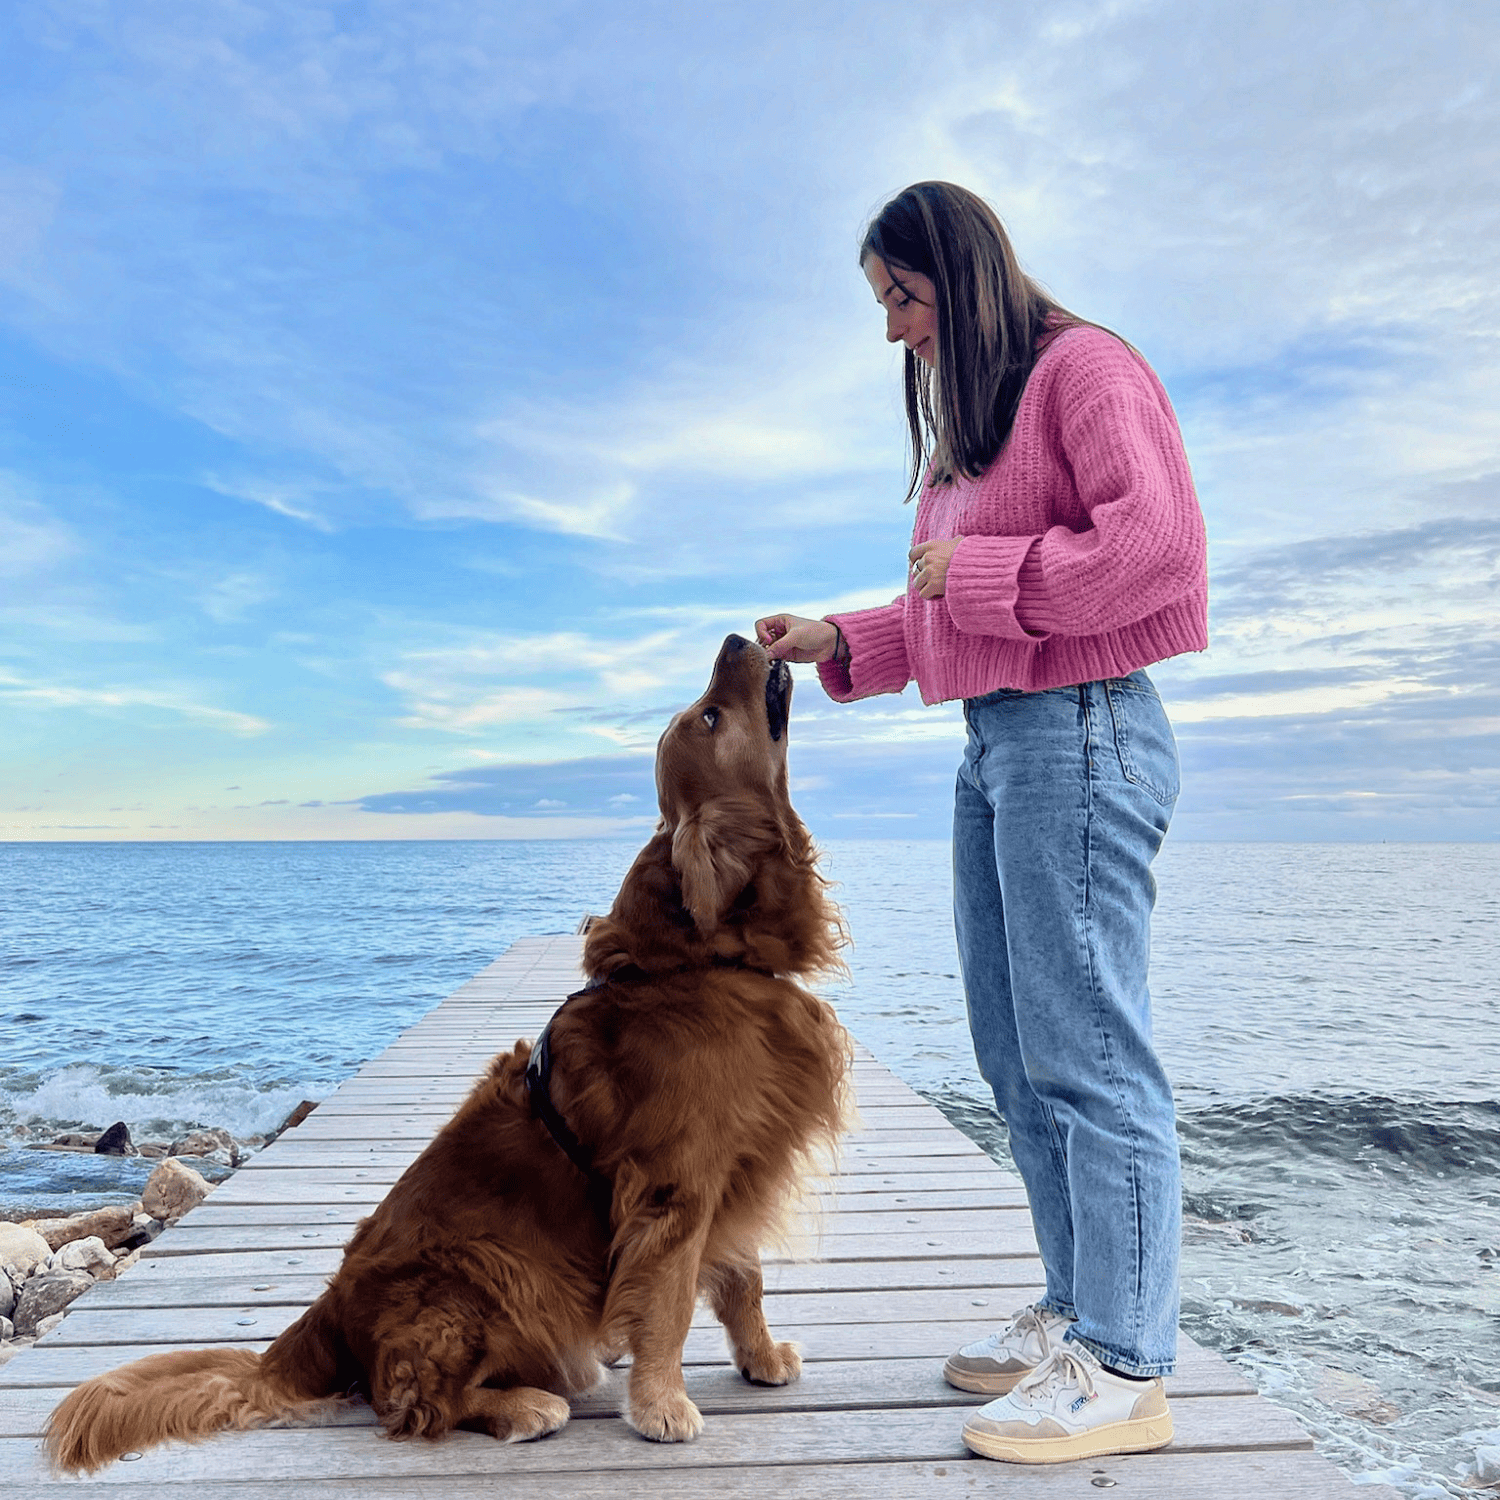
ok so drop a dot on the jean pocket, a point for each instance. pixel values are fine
(1143, 738)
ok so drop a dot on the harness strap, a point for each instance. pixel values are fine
(538, 1081)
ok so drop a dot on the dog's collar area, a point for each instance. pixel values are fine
(634, 974)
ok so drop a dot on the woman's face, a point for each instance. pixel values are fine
(910, 305)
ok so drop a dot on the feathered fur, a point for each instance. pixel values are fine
(484, 1290)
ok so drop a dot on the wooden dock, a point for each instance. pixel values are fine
(924, 1243)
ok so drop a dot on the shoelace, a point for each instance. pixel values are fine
(1062, 1367)
(1029, 1320)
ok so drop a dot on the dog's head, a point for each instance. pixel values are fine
(731, 873)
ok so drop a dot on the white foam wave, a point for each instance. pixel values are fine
(83, 1097)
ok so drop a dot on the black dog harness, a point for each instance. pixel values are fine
(539, 1080)
(538, 1086)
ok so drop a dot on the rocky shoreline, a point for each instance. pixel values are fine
(46, 1262)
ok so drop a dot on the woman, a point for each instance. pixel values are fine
(1058, 550)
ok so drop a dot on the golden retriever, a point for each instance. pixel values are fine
(580, 1213)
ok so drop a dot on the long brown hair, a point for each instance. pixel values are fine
(990, 317)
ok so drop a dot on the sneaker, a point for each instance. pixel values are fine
(1071, 1407)
(993, 1365)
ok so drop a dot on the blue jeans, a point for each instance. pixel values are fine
(1062, 802)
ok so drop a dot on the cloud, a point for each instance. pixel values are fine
(31, 540)
(290, 498)
(589, 785)
(22, 692)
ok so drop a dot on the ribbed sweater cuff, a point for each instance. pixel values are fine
(877, 655)
(991, 579)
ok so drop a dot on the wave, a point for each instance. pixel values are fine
(153, 1105)
(1417, 1137)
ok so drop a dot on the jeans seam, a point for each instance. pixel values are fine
(1110, 1062)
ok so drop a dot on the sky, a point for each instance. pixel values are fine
(401, 402)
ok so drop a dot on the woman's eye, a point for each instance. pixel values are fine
(711, 717)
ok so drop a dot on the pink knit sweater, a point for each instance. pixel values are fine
(1083, 552)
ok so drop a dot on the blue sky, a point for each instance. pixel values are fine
(400, 402)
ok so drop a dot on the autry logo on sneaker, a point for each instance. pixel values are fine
(1083, 1401)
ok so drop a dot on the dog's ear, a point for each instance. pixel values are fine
(715, 850)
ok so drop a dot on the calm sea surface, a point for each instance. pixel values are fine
(1328, 1013)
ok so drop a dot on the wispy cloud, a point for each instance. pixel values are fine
(22, 692)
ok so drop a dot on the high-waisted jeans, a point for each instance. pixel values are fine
(1062, 802)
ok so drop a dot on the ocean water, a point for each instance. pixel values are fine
(1328, 1014)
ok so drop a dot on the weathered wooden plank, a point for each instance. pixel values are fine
(196, 1281)
(826, 1385)
(288, 1197)
(1011, 1236)
(55, 1362)
(292, 1150)
(1207, 1423)
(237, 1319)
(1169, 1475)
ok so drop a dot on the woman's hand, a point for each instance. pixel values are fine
(793, 638)
(929, 566)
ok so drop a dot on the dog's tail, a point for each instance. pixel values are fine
(188, 1394)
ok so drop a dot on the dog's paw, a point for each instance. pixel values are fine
(780, 1364)
(542, 1413)
(673, 1419)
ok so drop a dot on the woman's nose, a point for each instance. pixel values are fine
(892, 331)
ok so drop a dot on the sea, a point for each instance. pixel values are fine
(1328, 1013)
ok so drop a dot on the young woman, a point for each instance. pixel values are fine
(1058, 550)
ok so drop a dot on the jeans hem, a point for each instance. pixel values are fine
(1116, 1360)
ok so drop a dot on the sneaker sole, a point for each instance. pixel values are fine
(979, 1383)
(1119, 1437)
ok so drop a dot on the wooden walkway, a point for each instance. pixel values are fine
(924, 1243)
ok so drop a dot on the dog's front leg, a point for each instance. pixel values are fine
(653, 1288)
(735, 1289)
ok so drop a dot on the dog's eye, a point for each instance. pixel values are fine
(711, 717)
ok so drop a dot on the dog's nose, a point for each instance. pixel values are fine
(734, 644)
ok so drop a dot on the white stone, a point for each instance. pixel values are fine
(7, 1295)
(22, 1248)
(91, 1255)
(51, 1321)
(7, 1330)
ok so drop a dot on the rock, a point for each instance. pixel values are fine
(7, 1296)
(21, 1249)
(51, 1321)
(171, 1190)
(7, 1330)
(74, 1140)
(112, 1225)
(143, 1230)
(89, 1255)
(115, 1141)
(206, 1143)
(1487, 1467)
(1354, 1396)
(297, 1116)
(46, 1294)
(126, 1261)
(153, 1150)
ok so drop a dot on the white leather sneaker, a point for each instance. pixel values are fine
(993, 1365)
(1071, 1407)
